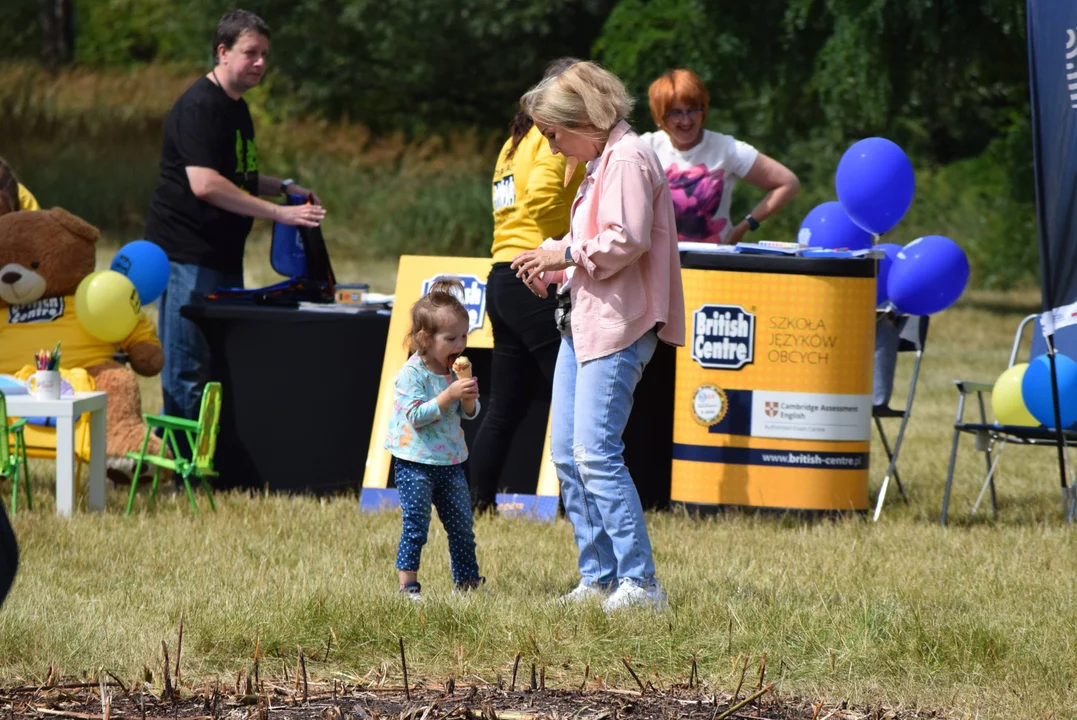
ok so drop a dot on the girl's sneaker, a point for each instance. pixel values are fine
(412, 591)
(469, 585)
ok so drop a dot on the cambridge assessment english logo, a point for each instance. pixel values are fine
(474, 298)
(723, 337)
(770, 408)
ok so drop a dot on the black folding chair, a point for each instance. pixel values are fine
(913, 340)
(991, 435)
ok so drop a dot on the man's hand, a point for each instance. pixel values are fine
(295, 189)
(304, 215)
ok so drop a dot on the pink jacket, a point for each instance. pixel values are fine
(628, 270)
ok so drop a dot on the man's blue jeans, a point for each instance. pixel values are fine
(590, 407)
(186, 369)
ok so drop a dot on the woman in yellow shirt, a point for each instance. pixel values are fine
(532, 198)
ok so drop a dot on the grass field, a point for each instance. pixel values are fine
(976, 618)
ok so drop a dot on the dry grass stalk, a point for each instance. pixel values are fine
(515, 667)
(751, 698)
(303, 669)
(166, 691)
(740, 683)
(642, 688)
(179, 648)
(257, 663)
(404, 666)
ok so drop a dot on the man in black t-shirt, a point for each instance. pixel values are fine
(207, 198)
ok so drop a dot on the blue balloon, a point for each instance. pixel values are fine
(927, 276)
(875, 184)
(1036, 390)
(827, 226)
(885, 263)
(146, 265)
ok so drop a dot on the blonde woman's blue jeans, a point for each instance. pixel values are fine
(590, 407)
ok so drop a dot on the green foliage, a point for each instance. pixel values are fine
(418, 64)
(20, 33)
(119, 32)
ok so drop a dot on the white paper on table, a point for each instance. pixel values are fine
(688, 246)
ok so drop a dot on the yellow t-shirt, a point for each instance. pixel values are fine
(25, 329)
(531, 202)
(26, 200)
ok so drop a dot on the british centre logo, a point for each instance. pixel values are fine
(723, 337)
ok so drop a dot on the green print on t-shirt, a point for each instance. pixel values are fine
(246, 162)
(252, 156)
(239, 153)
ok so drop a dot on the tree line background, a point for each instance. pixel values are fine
(397, 109)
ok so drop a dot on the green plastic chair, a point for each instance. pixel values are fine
(202, 438)
(13, 456)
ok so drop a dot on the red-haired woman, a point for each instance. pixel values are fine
(704, 166)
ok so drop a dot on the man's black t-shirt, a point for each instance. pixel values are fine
(205, 128)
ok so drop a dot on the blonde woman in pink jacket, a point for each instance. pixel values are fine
(619, 294)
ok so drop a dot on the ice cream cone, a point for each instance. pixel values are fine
(462, 367)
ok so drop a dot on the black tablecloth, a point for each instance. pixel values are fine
(300, 388)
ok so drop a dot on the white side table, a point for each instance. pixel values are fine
(65, 410)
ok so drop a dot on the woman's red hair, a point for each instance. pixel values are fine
(677, 86)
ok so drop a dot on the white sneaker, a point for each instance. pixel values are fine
(629, 593)
(412, 591)
(584, 592)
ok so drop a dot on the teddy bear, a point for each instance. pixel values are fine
(44, 255)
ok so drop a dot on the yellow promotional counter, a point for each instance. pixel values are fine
(773, 399)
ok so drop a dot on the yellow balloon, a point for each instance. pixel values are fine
(1006, 401)
(107, 305)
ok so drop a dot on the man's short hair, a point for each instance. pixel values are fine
(232, 25)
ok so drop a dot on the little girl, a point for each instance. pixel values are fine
(427, 441)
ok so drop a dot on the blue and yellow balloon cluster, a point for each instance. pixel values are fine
(1022, 394)
(875, 185)
(108, 301)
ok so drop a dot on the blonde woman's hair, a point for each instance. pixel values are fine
(584, 94)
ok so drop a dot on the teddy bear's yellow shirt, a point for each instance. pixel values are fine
(25, 329)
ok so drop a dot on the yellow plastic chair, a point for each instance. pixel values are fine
(13, 456)
(202, 438)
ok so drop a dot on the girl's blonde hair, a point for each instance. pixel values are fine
(584, 94)
(443, 296)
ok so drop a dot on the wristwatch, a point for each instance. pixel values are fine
(284, 185)
(568, 254)
(752, 222)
